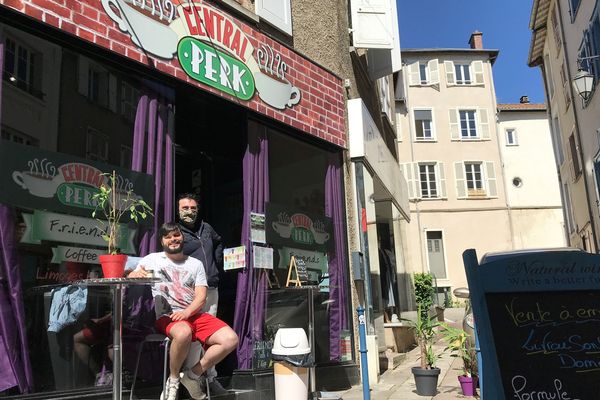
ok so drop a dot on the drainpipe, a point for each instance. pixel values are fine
(578, 133)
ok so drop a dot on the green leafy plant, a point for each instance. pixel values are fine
(113, 206)
(459, 343)
(425, 329)
(423, 284)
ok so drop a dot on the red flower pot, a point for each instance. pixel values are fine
(113, 265)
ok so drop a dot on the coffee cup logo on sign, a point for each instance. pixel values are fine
(271, 83)
(148, 25)
(41, 180)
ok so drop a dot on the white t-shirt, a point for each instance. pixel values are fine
(176, 289)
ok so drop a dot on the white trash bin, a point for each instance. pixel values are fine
(291, 356)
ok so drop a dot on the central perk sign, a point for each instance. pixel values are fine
(211, 47)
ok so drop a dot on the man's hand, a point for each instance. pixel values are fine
(139, 273)
(180, 315)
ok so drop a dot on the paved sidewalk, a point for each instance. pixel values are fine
(399, 383)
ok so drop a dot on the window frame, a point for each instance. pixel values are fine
(89, 155)
(515, 140)
(469, 137)
(431, 169)
(462, 67)
(433, 137)
(488, 177)
(573, 12)
(32, 82)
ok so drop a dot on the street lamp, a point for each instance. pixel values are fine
(583, 82)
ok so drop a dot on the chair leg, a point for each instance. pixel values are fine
(167, 343)
(207, 387)
(137, 364)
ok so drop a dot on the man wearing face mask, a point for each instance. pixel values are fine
(202, 242)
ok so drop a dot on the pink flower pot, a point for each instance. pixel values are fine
(468, 384)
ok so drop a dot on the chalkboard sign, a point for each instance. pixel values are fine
(301, 270)
(297, 272)
(537, 315)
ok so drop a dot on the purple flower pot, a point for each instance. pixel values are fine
(468, 384)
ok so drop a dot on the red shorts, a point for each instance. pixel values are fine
(203, 325)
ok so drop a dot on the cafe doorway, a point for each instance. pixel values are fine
(210, 143)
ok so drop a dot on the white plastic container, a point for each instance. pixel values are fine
(291, 382)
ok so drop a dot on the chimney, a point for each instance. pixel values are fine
(524, 100)
(476, 40)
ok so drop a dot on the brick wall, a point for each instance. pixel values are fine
(319, 113)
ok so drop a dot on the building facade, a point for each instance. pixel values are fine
(562, 33)
(244, 103)
(458, 168)
(532, 189)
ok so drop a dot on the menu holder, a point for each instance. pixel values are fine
(538, 320)
(297, 273)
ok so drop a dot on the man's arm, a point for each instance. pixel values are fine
(195, 306)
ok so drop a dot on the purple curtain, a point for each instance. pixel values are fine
(250, 301)
(334, 209)
(15, 368)
(153, 138)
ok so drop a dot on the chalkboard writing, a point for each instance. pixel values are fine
(301, 270)
(548, 343)
(537, 315)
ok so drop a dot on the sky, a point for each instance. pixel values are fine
(505, 27)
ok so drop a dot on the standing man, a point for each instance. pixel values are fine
(202, 242)
(179, 299)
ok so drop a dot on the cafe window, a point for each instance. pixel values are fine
(298, 192)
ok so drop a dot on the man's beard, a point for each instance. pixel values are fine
(170, 250)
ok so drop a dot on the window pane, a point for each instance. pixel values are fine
(423, 72)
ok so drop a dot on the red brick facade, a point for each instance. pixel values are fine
(319, 113)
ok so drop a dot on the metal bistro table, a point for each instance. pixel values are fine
(117, 285)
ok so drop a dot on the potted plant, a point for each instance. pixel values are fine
(114, 205)
(459, 343)
(425, 328)
(427, 374)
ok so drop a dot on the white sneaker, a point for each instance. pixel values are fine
(195, 387)
(171, 388)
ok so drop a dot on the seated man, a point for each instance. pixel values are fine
(179, 297)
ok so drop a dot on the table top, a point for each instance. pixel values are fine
(116, 281)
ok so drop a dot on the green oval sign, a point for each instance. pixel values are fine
(208, 65)
(71, 194)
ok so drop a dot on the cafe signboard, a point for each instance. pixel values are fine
(211, 47)
(36, 179)
(298, 229)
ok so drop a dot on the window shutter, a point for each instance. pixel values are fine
(449, 67)
(407, 168)
(454, 126)
(112, 93)
(441, 177)
(277, 13)
(490, 175)
(417, 176)
(461, 187)
(83, 75)
(484, 125)
(414, 76)
(478, 72)
(434, 72)
(371, 23)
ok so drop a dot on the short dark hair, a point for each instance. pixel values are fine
(189, 196)
(167, 228)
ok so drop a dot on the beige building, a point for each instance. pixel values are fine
(561, 35)
(452, 151)
(531, 183)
